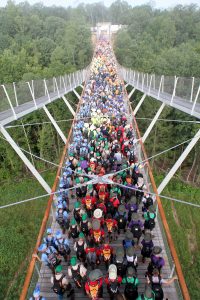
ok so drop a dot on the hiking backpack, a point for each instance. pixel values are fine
(136, 230)
(131, 290)
(57, 285)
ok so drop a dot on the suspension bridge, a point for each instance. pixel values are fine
(18, 100)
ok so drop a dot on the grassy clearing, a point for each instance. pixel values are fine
(184, 222)
(18, 231)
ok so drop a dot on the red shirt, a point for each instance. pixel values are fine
(115, 202)
(97, 234)
(89, 202)
(93, 287)
(118, 280)
(110, 223)
(106, 251)
(102, 207)
(92, 249)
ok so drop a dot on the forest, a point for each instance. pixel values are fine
(41, 42)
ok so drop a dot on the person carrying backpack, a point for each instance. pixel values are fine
(136, 226)
(148, 294)
(149, 217)
(85, 225)
(74, 229)
(49, 240)
(80, 246)
(156, 282)
(94, 284)
(97, 234)
(61, 284)
(132, 207)
(62, 245)
(121, 218)
(113, 282)
(62, 218)
(106, 251)
(49, 256)
(131, 284)
(147, 246)
(111, 225)
(157, 262)
(120, 261)
(89, 203)
(128, 241)
(147, 201)
(77, 272)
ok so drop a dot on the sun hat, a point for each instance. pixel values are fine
(97, 213)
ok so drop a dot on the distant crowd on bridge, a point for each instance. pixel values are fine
(107, 238)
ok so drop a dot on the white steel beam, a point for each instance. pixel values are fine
(131, 93)
(68, 105)
(139, 104)
(59, 131)
(77, 95)
(25, 159)
(153, 122)
(179, 162)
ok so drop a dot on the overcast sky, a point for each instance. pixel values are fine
(65, 3)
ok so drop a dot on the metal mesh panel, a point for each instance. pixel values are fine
(4, 104)
(183, 88)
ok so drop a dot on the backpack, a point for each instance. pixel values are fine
(74, 232)
(61, 248)
(109, 207)
(150, 223)
(60, 219)
(149, 202)
(52, 258)
(121, 222)
(127, 244)
(146, 250)
(119, 133)
(126, 149)
(136, 230)
(57, 285)
(84, 227)
(131, 289)
(76, 276)
(113, 287)
(157, 289)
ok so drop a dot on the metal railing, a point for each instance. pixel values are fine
(174, 264)
(34, 270)
(22, 96)
(174, 90)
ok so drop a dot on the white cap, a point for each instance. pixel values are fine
(112, 272)
(97, 213)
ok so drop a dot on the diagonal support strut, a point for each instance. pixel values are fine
(53, 121)
(68, 105)
(179, 162)
(25, 159)
(153, 122)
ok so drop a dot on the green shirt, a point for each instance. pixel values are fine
(133, 280)
(149, 215)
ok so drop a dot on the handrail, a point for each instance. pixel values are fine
(179, 271)
(47, 211)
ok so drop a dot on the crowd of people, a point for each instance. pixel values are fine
(104, 179)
